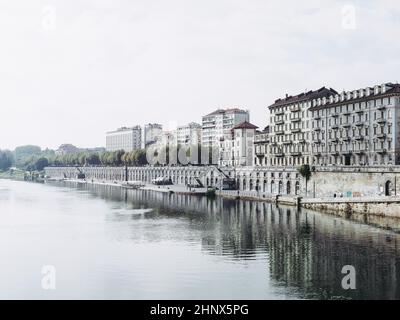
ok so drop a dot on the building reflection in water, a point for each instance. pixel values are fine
(304, 250)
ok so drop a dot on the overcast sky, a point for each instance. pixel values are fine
(72, 70)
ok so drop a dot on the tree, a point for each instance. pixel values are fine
(305, 172)
(141, 158)
(6, 159)
(24, 154)
(41, 163)
(93, 159)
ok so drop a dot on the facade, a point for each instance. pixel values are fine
(127, 139)
(152, 132)
(261, 147)
(238, 149)
(189, 134)
(167, 139)
(290, 128)
(360, 127)
(219, 123)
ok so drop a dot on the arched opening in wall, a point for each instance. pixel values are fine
(244, 183)
(258, 185)
(288, 187)
(208, 181)
(272, 187)
(251, 184)
(388, 188)
(280, 187)
(297, 188)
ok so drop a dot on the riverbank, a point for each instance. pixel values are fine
(12, 175)
(362, 208)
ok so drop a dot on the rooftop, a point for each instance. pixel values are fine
(310, 95)
(245, 125)
(223, 111)
(357, 95)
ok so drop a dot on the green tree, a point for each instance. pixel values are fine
(305, 172)
(24, 155)
(93, 159)
(141, 158)
(41, 163)
(6, 159)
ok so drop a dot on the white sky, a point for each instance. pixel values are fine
(72, 70)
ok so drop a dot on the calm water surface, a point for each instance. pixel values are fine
(107, 242)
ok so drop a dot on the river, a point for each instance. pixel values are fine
(105, 242)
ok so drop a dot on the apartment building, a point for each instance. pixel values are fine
(218, 125)
(124, 138)
(261, 147)
(152, 132)
(290, 128)
(359, 127)
(237, 149)
(189, 134)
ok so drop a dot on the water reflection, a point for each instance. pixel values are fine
(303, 250)
(109, 242)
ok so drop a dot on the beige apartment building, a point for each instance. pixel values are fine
(290, 128)
(359, 127)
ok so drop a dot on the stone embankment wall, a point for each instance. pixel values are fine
(376, 206)
(354, 182)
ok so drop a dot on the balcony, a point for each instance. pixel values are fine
(317, 141)
(288, 142)
(359, 152)
(359, 123)
(295, 120)
(360, 111)
(359, 137)
(317, 118)
(279, 122)
(380, 120)
(334, 153)
(381, 150)
(260, 153)
(280, 155)
(346, 125)
(381, 108)
(302, 141)
(335, 127)
(296, 109)
(279, 113)
(334, 140)
(295, 154)
(280, 132)
(335, 115)
(346, 138)
(317, 129)
(295, 130)
(347, 113)
(381, 136)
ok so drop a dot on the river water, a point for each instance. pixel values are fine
(104, 242)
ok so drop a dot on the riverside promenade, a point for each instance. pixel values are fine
(348, 190)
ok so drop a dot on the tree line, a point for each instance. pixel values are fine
(33, 158)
